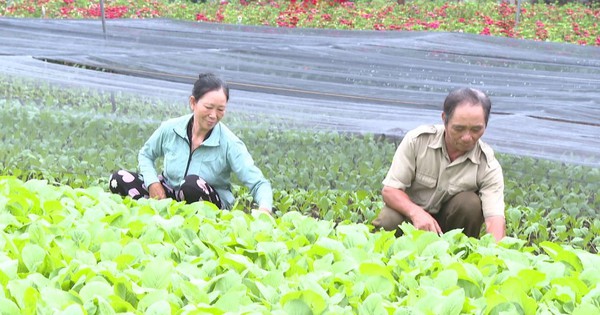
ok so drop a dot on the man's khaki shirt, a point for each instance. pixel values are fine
(422, 168)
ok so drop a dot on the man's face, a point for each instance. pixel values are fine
(464, 128)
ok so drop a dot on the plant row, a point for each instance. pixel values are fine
(78, 137)
(75, 251)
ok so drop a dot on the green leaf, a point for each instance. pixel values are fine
(58, 299)
(119, 305)
(159, 308)
(73, 309)
(195, 292)
(372, 305)
(33, 257)
(446, 279)
(510, 293)
(232, 299)
(558, 253)
(374, 269)
(451, 304)
(8, 307)
(576, 287)
(531, 278)
(8, 269)
(300, 302)
(157, 274)
(297, 307)
(109, 250)
(151, 298)
(586, 309)
(97, 287)
(235, 261)
(436, 249)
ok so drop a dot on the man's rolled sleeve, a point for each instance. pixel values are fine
(402, 170)
(492, 191)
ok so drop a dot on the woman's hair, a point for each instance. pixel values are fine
(468, 95)
(208, 82)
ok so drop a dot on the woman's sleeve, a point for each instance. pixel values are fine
(243, 166)
(150, 151)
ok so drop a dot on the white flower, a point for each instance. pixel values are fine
(113, 183)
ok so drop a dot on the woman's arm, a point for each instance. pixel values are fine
(243, 166)
(147, 156)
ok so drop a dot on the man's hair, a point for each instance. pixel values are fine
(470, 96)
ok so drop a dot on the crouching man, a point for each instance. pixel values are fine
(444, 177)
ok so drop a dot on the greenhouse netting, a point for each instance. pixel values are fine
(546, 96)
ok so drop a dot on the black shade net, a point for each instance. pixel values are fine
(546, 96)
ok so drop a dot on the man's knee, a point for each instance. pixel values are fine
(462, 211)
(468, 203)
(388, 219)
(471, 198)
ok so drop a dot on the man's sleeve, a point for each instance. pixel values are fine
(491, 190)
(402, 170)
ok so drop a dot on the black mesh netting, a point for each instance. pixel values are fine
(546, 96)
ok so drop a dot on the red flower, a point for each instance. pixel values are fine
(488, 20)
(485, 31)
(65, 11)
(381, 27)
(201, 17)
(346, 22)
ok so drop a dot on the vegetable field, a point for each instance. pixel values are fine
(70, 247)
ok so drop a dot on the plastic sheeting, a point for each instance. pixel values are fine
(546, 96)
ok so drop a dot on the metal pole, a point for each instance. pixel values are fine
(103, 18)
(518, 13)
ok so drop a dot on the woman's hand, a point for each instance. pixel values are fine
(265, 210)
(157, 191)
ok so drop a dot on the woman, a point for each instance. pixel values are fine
(200, 153)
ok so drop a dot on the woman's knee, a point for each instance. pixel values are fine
(126, 183)
(194, 189)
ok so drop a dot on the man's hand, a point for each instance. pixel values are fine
(398, 200)
(496, 226)
(157, 191)
(422, 220)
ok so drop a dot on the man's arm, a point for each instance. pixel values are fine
(496, 226)
(491, 193)
(398, 200)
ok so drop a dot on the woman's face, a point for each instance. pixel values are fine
(209, 109)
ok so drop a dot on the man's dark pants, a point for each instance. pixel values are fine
(461, 211)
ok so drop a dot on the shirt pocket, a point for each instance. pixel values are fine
(425, 180)
(423, 189)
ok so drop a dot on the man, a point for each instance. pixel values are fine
(444, 177)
